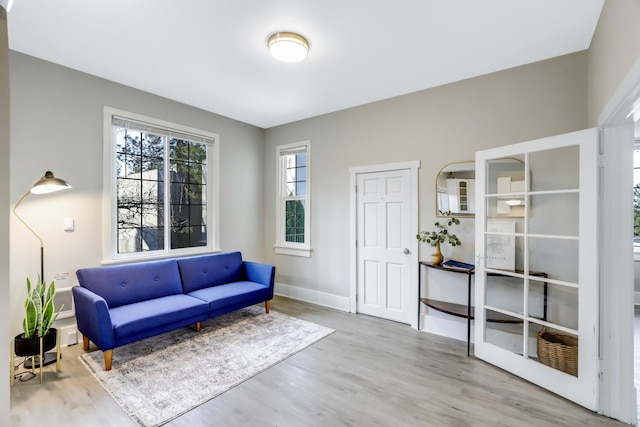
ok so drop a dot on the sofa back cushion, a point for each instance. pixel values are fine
(210, 270)
(131, 283)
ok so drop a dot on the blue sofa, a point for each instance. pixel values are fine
(117, 305)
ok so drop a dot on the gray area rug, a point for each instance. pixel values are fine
(158, 379)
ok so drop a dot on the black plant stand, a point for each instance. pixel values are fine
(40, 356)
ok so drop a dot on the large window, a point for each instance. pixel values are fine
(293, 210)
(159, 187)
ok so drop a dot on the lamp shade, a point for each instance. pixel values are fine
(288, 47)
(49, 183)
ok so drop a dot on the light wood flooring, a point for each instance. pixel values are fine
(370, 372)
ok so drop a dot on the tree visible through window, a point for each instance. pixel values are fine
(296, 172)
(161, 191)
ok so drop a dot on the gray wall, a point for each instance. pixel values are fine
(615, 47)
(436, 126)
(57, 125)
(4, 208)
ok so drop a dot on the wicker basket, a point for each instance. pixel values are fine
(558, 350)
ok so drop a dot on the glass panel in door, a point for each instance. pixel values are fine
(536, 273)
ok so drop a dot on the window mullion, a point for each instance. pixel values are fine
(167, 196)
(141, 195)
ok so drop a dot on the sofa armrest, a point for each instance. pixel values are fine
(93, 318)
(260, 273)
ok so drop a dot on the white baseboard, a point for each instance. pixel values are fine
(315, 297)
(456, 328)
(450, 328)
(636, 298)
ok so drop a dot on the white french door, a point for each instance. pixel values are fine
(384, 242)
(537, 262)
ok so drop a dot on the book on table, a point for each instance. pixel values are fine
(458, 264)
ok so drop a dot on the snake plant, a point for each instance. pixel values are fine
(39, 310)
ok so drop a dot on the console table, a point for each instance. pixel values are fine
(466, 311)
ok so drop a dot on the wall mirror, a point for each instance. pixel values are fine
(506, 180)
(455, 190)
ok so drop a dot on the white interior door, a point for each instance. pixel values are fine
(384, 261)
(537, 262)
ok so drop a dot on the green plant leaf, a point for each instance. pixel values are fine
(39, 309)
(30, 321)
(441, 234)
(48, 316)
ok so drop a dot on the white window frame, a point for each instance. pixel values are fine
(110, 253)
(281, 246)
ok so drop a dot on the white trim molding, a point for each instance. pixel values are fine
(445, 326)
(315, 297)
(618, 397)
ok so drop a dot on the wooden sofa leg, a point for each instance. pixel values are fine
(198, 327)
(85, 343)
(267, 305)
(108, 358)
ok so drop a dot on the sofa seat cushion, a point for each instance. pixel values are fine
(230, 294)
(145, 315)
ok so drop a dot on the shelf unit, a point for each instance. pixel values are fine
(466, 311)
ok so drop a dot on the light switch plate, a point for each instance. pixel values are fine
(68, 224)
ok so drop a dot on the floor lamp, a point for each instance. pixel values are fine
(47, 184)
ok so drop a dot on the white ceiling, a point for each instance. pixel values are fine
(212, 54)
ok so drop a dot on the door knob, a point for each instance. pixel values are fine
(406, 251)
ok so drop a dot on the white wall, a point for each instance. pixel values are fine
(56, 124)
(436, 126)
(4, 208)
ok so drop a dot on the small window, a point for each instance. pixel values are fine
(293, 207)
(159, 188)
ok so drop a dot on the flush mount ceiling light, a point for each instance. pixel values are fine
(288, 47)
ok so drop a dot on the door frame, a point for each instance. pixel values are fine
(413, 167)
(617, 392)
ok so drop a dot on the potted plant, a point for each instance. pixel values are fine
(439, 235)
(39, 315)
